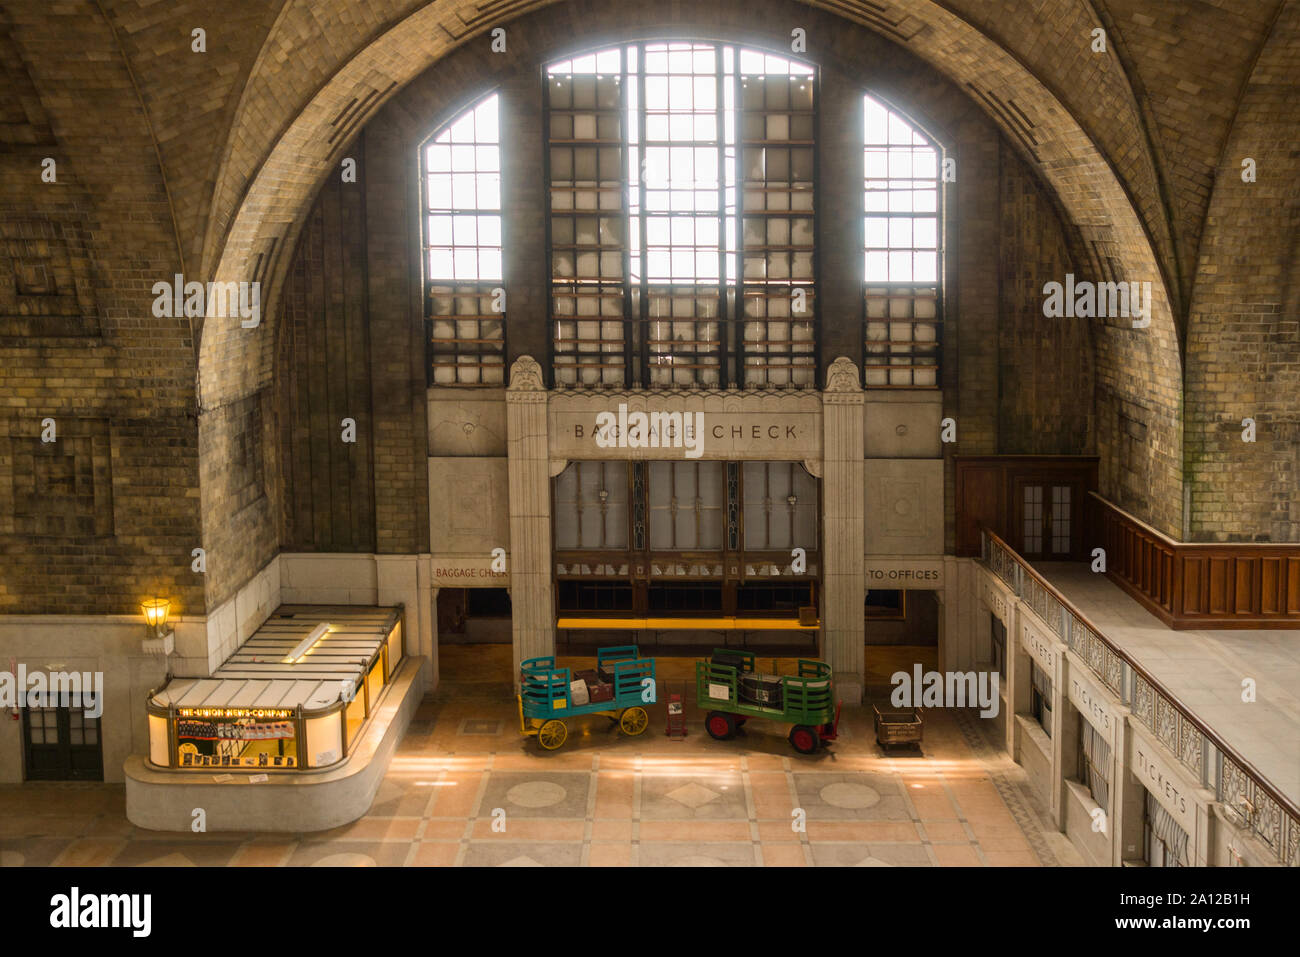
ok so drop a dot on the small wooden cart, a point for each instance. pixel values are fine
(898, 727)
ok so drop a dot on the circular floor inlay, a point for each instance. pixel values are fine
(872, 862)
(850, 796)
(345, 860)
(535, 794)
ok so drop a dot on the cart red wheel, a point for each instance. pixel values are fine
(720, 725)
(804, 739)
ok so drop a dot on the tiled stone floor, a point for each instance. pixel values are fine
(465, 788)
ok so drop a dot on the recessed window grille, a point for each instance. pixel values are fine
(901, 257)
(464, 290)
(682, 218)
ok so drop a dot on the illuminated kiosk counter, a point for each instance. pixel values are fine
(293, 732)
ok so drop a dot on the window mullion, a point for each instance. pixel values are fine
(642, 377)
(625, 196)
(720, 141)
(738, 291)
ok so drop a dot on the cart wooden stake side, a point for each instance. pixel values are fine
(546, 702)
(732, 692)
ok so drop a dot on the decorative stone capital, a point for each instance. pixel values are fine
(842, 376)
(526, 376)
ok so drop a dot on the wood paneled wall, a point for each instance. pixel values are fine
(1233, 585)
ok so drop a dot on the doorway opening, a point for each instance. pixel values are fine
(901, 631)
(474, 633)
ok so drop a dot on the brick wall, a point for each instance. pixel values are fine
(106, 515)
(241, 491)
(1243, 342)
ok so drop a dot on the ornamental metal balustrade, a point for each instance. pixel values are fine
(1244, 793)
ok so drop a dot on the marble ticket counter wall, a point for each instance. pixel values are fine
(995, 604)
(1157, 773)
(1112, 832)
(1094, 828)
(1039, 747)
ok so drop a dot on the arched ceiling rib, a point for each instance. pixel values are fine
(1090, 149)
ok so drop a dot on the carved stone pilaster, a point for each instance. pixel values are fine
(528, 466)
(843, 510)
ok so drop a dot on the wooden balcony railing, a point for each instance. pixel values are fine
(1196, 585)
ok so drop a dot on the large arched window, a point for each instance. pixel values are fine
(902, 262)
(464, 300)
(682, 217)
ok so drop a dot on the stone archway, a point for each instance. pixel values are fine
(276, 158)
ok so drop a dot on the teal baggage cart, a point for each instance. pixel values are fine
(732, 692)
(548, 698)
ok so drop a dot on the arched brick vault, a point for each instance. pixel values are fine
(1074, 128)
(1019, 382)
(1187, 65)
(220, 154)
(1112, 201)
(192, 98)
(1245, 317)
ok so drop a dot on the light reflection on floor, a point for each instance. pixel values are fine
(465, 788)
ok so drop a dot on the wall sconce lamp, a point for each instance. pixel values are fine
(162, 640)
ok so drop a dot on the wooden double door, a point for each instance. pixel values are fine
(62, 744)
(1048, 514)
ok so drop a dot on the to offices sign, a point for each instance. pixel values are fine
(889, 574)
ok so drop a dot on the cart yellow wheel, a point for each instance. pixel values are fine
(634, 721)
(552, 734)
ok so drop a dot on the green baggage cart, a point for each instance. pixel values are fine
(729, 688)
